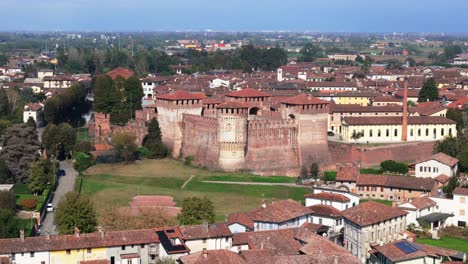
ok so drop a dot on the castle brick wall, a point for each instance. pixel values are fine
(200, 140)
(272, 147)
(313, 138)
(372, 156)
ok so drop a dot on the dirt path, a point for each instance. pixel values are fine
(187, 181)
(258, 183)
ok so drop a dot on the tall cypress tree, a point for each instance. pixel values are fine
(104, 95)
(429, 91)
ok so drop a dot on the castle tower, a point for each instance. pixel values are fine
(232, 135)
(101, 127)
(170, 108)
(311, 115)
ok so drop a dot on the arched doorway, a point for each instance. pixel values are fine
(254, 111)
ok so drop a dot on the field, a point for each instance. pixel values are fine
(454, 243)
(116, 184)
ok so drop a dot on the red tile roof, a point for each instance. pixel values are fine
(442, 158)
(277, 242)
(336, 197)
(395, 254)
(324, 251)
(195, 232)
(459, 104)
(371, 212)
(304, 99)
(325, 210)
(421, 203)
(233, 104)
(248, 92)
(371, 180)
(400, 182)
(442, 178)
(347, 173)
(460, 191)
(220, 256)
(181, 95)
(241, 219)
(125, 73)
(278, 212)
(427, 108)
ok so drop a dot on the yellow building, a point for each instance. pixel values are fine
(355, 98)
(73, 256)
(389, 129)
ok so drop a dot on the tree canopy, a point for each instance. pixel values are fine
(59, 140)
(75, 210)
(7, 200)
(40, 173)
(68, 106)
(311, 52)
(429, 91)
(9, 224)
(125, 145)
(196, 210)
(153, 142)
(20, 148)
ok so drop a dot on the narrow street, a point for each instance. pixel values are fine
(66, 184)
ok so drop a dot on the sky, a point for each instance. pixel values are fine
(236, 15)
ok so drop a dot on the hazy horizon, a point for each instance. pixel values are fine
(360, 16)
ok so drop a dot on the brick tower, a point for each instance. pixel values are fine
(232, 134)
(404, 127)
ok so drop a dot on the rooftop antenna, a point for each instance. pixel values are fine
(132, 47)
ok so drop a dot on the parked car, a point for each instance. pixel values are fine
(50, 207)
(61, 173)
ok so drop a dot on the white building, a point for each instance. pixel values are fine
(339, 199)
(371, 222)
(34, 110)
(239, 223)
(279, 215)
(206, 237)
(436, 165)
(44, 73)
(458, 206)
(418, 207)
(219, 83)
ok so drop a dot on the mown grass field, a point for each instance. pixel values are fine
(116, 184)
(454, 243)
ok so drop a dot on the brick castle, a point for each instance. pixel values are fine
(248, 130)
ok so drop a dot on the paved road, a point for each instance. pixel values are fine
(66, 184)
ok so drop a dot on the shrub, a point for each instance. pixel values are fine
(143, 153)
(84, 146)
(329, 175)
(28, 203)
(82, 161)
(393, 166)
(188, 160)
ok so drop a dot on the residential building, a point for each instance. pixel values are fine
(371, 222)
(346, 57)
(386, 100)
(389, 129)
(151, 82)
(58, 82)
(436, 165)
(332, 86)
(206, 237)
(41, 73)
(34, 111)
(239, 223)
(416, 208)
(457, 206)
(405, 251)
(330, 217)
(279, 214)
(341, 200)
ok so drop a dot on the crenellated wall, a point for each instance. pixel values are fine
(272, 147)
(200, 140)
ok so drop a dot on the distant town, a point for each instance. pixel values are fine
(233, 147)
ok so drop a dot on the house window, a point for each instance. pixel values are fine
(123, 247)
(387, 132)
(462, 212)
(427, 132)
(204, 241)
(370, 133)
(450, 132)
(68, 251)
(435, 133)
(420, 168)
(462, 200)
(442, 132)
(89, 250)
(13, 256)
(411, 132)
(419, 132)
(31, 254)
(379, 133)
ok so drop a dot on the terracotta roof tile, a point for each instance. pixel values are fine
(248, 92)
(220, 256)
(278, 212)
(347, 173)
(125, 73)
(233, 104)
(181, 95)
(325, 210)
(199, 232)
(371, 212)
(395, 254)
(336, 197)
(460, 191)
(241, 219)
(442, 158)
(304, 99)
(442, 178)
(422, 203)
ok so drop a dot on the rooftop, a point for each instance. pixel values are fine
(304, 99)
(442, 158)
(371, 212)
(336, 197)
(248, 92)
(278, 212)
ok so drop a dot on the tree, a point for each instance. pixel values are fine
(75, 210)
(40, 173)
(133, 94)
(20, 148)
(104, 94)
(310, 52)
(463, 159)
(5, 175)
(429, 91)
(314, 170)
(196, 211)
(357, 135)
(7, 200)
(59, 140)
(121, 219)
(393, 166)
(304, 174)
(457, 116)
(452, 184)
(450, 146)
(9, 224)
(68, 106)
(153, 141)
(125, 145)
(4, 103)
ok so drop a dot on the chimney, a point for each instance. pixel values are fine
(404, 127)
(335, 260)
(101, 231)
(47, 235)
(76, 231)
(264, 203)
(205, 253)
(22, 234)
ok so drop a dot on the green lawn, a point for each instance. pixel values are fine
(389, 203)
(27, 225)
(116, 185)
(454, 243)
(82, 134)
(22, 192)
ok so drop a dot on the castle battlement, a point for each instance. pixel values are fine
(202, 121)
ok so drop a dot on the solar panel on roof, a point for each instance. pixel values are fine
(414, 245)
(405, 247)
